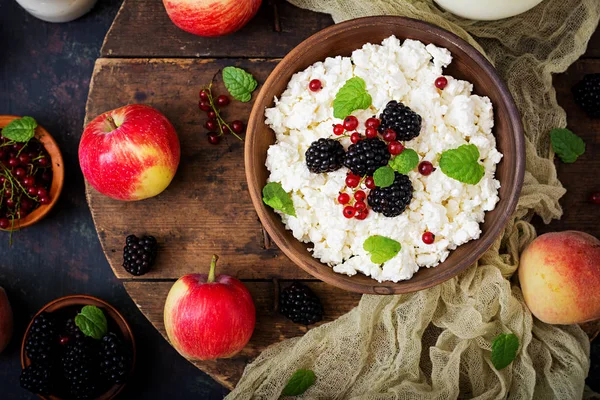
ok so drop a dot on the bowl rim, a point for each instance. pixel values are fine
(58, 175)
(375, 287)
(83, 300)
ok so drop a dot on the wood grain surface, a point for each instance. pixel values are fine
(207, 208)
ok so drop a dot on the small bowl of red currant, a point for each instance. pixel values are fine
(31, 172)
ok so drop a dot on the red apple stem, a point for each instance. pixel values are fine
(111, 122)
(213, 266)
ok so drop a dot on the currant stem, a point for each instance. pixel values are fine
(213, 266)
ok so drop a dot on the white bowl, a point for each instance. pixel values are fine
(487, 10)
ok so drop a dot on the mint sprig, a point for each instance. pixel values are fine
(462, 164)
(239, 83)
(92, 322)
(383, 177)
(20, 130)
(352, 96)
(504, 350)
(381, 248)
(299, 382)
(567, 145)
(275, 197)
(405, 161)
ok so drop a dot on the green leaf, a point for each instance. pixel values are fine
(462, 164)
(504, 350)
(405, 161)
(92, 322)
(381, 248)
(275, 197)
(299, 382)
(20, 130)
(239, 83)
(384, 177)
(352, 96)
(567, 145)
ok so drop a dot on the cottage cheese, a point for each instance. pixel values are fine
(452, 117)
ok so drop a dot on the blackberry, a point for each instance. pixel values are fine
(391, 201)
(587, 95)
(38, 378)
(80, 366)
(115, 360)
(404, 121)
(324, 155)
(364, 157)
(139, 254)
(42, 340)
(298, 303)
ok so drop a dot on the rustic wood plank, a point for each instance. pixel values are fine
(143, 29)
(207, 208)
(271, 327)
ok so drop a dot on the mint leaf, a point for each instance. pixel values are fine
(239, 83)
(384, 177)
(352, 96)
(20, 130)
(504, 350)
(299, 382)
(92, 322)
(567, 145)
(405, 161)
(381, 248)
(462, 164)
(275, 197)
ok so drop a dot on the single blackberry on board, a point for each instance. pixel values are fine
(139, 254)
(363, 158)
(324, 155)
(300, 304)
(391, 201)
(404, 121)
(81, 368)
(115, 359)
(39, 378)
(42, 339)
(587, 95)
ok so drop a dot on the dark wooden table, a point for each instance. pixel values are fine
(46, 70)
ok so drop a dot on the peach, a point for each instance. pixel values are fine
(6, 320)
(560, 277)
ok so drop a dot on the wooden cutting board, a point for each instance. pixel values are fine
(207, 210)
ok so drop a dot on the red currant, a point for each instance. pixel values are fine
(360, 195)
(372, 123)
(26, 204)
(237, 126)
(370, 182)
(19, 172)
(425, 168)
(21, 213)
(441, 82)
(13, 162)
(17, 146)
(46, 176)
(349, 212)
(360, 205)
(222, 100)
(24, 159)
(595, 198)
(4, 223)
(343, 198)
(10, 202)
(41, 192)
(389, 135)
(65, 339)
(204, 105)
(315, 85)
(204, 94)
(352, 180)
(32, 190)
(362, 214)
(350, 123)
(225, 129)
(43, 162)
(338, 129)
(211, 125)
(211, 114)
(45, 200)
(28, 181)
(395, 148)
(355, 137)
(371, 133)
(428, 238)
(213, 138)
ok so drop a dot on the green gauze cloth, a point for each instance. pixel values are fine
(436, 344)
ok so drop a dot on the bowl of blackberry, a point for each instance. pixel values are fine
(31, 172)
(77, 347)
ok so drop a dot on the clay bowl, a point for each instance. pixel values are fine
(58, 174)
(468, 64)
(115, 322)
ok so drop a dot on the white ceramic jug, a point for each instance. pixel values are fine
(487, 9)
(57, 10)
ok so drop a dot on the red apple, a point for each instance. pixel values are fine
(130, 153)
(211, 17)
(209, 317)
(6, 320)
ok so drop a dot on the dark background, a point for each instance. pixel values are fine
(45, 71)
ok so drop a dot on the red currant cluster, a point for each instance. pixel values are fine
(216, 124)
(25, 178)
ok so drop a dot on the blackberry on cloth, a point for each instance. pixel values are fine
(391, 201)
(139, 254)
(587, 95)
(300, 304)
(115, 360)
(81, 368)
(42, 340)
(38, 378)
(363, 158)
(400, 118)
(324, 155)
